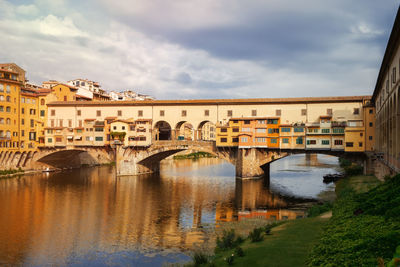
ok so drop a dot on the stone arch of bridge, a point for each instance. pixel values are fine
(65, 158)
(162, 131)
(184, 130)
(206, 130)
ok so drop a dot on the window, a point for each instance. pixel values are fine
(22, 133)
(272, 121)
(371, 111)
(49, 140)
(235, 121)
(338, 130)
(299, 140)
(98, 113)
(65, 98)
(244, 139)
(304, 112)
(356, 111)
(23, 121)
(42, 102)
(42, 113)
(261, 130)
(229, 113)
(70, 123)
(311, 142)
(52, 112)
(98, 129)
(394, 75)
(254, 112)
(52, 123)
(370, 137)
(32, 111)
(235, 139)
(360, 144)
(206, 112)
(274, 141)
(140, 113)
(278, 112)
(123, 127)
(261, 139)
(98, 138)
(224, 140)
(285, 140)
(370, 124)
(114, 127)
(78, 112)
(183, 113)
(1, 108)
(245, 129)
(32, 136)
(273, 130)
(60, 123)
(298, 130)
(224, 130)
(285, 130)
(32, 123)
(338, 142)
(361, 134)
(58, 139)
(162, 113)
(325, 130)
(80, 123)
(261, 121)
(8, 109)
(235, 130)
(246, 122)
(329, 111)
(79, 130)
(119, 113)
(8, 98)
(325, 142)
(349, 144)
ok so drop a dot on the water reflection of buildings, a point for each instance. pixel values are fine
(253, 199)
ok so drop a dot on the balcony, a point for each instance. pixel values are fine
(339, 124)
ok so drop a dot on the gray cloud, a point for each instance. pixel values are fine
(202, 48)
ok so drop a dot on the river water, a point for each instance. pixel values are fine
(86, 217)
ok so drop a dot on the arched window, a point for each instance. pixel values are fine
(8, 121)
(8, 98)
(8, 134)
(42, 102)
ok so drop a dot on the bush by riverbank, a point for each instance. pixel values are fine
(196, 155)
(365, 227)
(10, 172)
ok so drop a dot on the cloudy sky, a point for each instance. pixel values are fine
(191, 49)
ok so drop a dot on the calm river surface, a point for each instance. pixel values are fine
(86, 217)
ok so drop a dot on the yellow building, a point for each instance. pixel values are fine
(354, 136)
(228, 135)
(369, 124)
(10, 87)
(64, 92)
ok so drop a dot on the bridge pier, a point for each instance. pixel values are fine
(248, 163)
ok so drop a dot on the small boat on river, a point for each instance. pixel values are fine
(329, 178)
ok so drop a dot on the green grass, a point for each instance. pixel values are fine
(359, 183)
(288, 245)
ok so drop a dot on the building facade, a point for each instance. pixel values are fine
(386, 99)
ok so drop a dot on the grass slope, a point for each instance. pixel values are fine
(289, 245)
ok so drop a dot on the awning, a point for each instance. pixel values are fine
(70, 137)
(78, 137)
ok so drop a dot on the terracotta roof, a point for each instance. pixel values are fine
(251, 101)
(90, 119)
(110, 118)
(143, 120)
(325, 116)
(285, 125)
(84, 97)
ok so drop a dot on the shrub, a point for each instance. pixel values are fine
(256, 234)
(200, 258)
(353, 169)
(227, 241)
(230, 259)
(239, 251)
(320, 208)
(344, 162)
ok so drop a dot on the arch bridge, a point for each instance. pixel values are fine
(249, 162)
